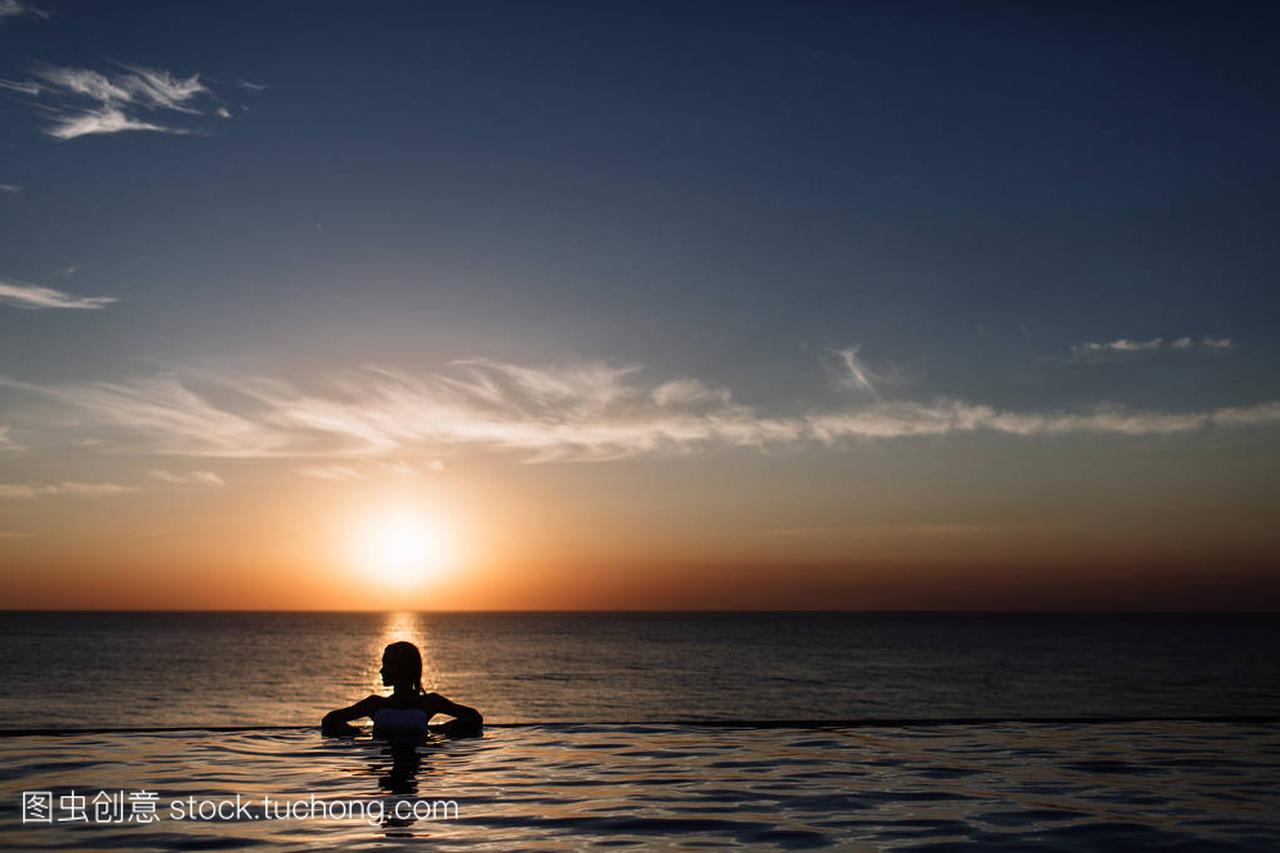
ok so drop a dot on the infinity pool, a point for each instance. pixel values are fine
(1158, 785)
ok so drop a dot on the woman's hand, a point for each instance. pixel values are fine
(460, 728)
(466, 722)
(334, 726)
(337, 723)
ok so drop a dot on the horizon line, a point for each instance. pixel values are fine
(689, 611)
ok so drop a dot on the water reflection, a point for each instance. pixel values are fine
(1158, 785)
(397, 767)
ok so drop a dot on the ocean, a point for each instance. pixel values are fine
(652, 730)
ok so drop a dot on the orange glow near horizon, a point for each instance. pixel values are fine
(690, 533)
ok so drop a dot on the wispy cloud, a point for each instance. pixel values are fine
(166, 412)
(584, 411)
(350, 473)
(687, 392)
(854, 373)
(904, 419)
(1206, 342)
(335, 473)
(25, 87)
(90, 490)
(11, 189)
(1120, 345)
(105, 120)
(83, 102)
(196, 478)
(33, 296)
(16, 9)
(1125, 346)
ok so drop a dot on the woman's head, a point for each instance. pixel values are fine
(402, 666)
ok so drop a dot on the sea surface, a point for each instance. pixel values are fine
(858, 731)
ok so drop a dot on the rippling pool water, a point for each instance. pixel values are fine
(1190, 786)
(592, 758)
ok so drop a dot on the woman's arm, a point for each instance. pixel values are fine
(338, 722)
(466, 721)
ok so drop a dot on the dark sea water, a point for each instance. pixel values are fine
(657, 730)
(164, 669)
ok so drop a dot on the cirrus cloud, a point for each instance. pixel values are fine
(32, 296)
(854, 372)
(17, 9)
(1126, 346)
(89, 490)
(84, 102)
(579, 411)
(334, 473)
(196, 478)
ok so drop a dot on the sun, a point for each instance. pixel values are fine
(404, 548)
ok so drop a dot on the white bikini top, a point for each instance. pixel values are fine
(400, 718)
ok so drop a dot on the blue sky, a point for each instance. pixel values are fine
(641, 229)
(952, 189)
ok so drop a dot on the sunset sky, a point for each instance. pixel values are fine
(876, 305)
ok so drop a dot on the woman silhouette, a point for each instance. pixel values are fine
(409, 708)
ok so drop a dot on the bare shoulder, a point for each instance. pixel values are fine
(372, 702)
(433, 702)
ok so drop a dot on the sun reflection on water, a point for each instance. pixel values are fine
(397, 627)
